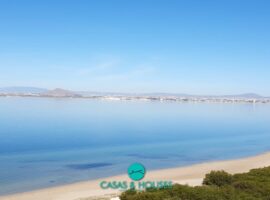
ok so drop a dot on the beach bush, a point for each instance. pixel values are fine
(218, 178)
(217, 185)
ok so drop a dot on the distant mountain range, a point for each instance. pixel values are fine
(58, 92)
(34, 90)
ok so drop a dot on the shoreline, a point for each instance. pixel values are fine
(178, 99)
(191, 175)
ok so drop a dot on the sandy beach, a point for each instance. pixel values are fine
(191, 175)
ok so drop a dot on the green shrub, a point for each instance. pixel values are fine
(217, 178)
(218, 185)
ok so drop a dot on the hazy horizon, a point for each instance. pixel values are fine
(14, 88)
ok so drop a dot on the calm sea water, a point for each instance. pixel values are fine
(48, 142)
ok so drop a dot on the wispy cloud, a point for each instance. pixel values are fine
(114, 68)
(99, 67)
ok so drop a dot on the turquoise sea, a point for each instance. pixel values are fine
(46, 142)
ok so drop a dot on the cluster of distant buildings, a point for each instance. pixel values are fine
(186, 99)
(61, 93)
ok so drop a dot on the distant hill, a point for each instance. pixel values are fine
(247, 95)
(58, 92)
(251, 95)
(244, 96)
(19, 90)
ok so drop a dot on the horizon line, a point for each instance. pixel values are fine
(153, 92)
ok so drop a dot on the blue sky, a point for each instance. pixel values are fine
(198, 47)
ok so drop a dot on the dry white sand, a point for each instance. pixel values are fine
(191, 175)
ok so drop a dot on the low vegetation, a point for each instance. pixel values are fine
(217, 185)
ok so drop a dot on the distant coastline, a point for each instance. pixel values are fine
(62, 93)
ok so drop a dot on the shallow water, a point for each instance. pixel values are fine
(47, 142)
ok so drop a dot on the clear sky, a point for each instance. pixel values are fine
(182, 46)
